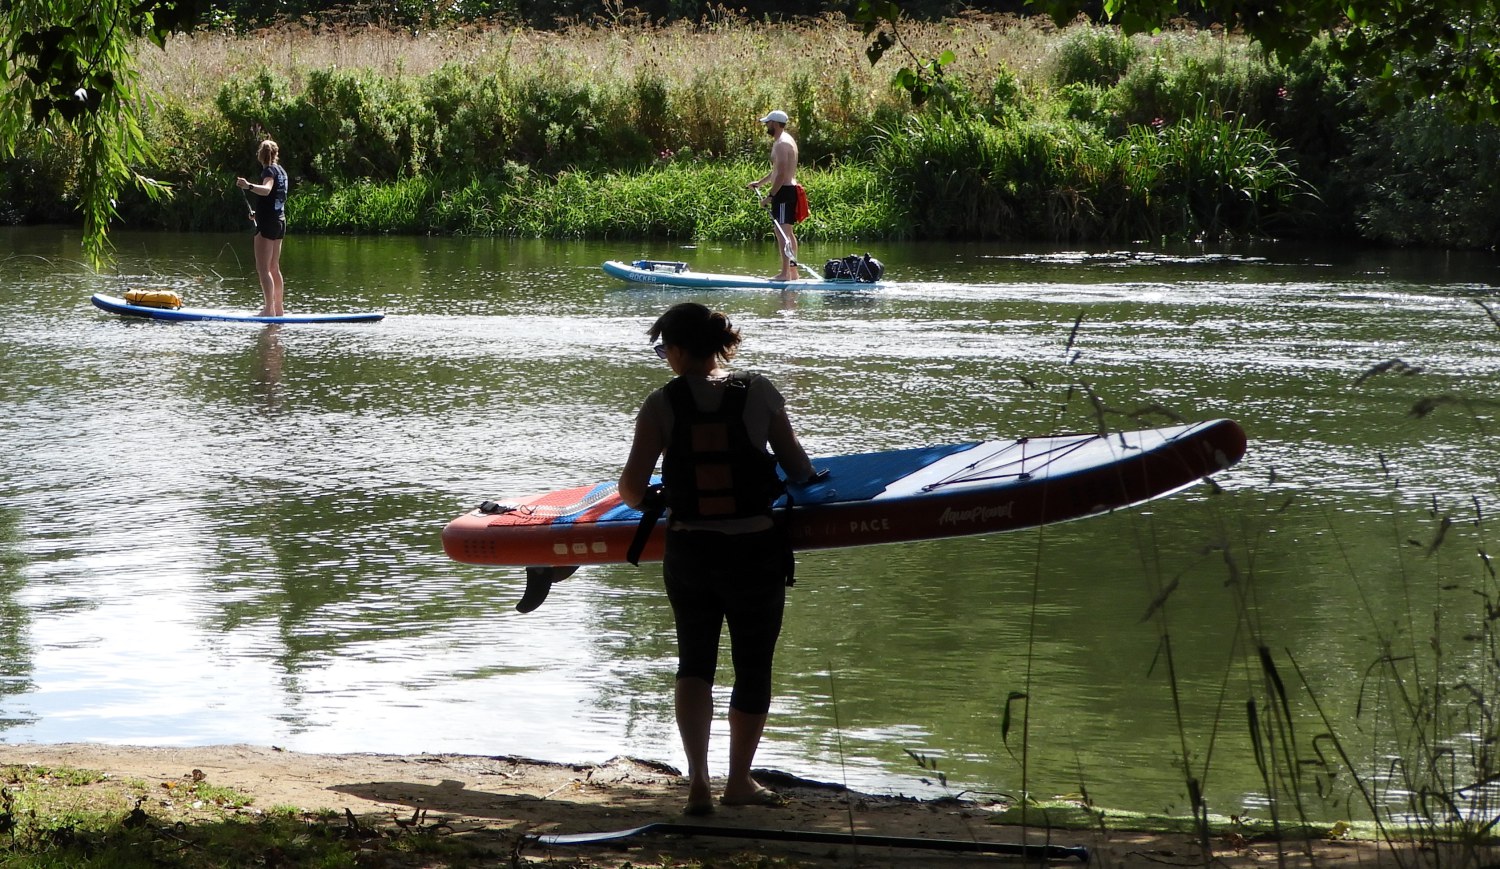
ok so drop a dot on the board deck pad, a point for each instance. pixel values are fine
(882, 497)
(850, 478)
(640, 272)
(116, 305)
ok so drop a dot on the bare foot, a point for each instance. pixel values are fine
(758, 797)
(700, 799)
(696, 809)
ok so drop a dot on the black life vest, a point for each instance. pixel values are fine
(711, 469)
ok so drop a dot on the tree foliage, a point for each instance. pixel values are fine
(882, 23)
(1442, 50)
(71, 83)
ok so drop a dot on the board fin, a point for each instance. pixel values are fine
(538, 583)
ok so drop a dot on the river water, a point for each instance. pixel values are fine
(216, 533)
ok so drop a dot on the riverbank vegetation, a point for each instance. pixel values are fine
(55, 816)
(625, 128)
(61, 816)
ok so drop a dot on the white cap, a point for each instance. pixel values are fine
(778, 117)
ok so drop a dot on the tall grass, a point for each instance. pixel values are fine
(1417, 763)
(446, 102)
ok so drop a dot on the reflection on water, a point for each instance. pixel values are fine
(270, 356)
(229, 532)
(15, 650)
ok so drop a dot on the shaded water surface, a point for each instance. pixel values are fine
(226, 533)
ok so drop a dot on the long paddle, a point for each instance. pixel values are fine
(819, 837)
(249, 207)
(786, 247)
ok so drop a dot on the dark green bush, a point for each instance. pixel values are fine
(255, 108)
(37, 186)
(1094, 56)
(567, 123)
(478, 117)
(342, 127)
(1180, 72)
(652, 115)
(1429, 180)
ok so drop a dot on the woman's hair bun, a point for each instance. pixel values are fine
(698, 330)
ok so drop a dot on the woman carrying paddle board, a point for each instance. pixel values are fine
(725, 560)
(785, 197)
(269, 217)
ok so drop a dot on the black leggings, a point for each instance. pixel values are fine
(714, 578)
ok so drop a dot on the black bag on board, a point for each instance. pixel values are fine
(854, 267)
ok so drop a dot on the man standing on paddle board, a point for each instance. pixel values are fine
(269, 217)
(725, 561)
(785, 197)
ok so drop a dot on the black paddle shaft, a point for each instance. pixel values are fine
(820, 837)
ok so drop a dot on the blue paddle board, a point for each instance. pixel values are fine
(120, 306)
(677, 274)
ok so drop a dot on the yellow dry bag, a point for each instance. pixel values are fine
(154, 298)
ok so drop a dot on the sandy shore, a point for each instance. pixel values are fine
(506, 797)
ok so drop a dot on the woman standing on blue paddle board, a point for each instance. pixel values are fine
(725, 559)
(269, 216)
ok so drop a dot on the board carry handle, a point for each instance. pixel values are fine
(652, 265)
(652, 508)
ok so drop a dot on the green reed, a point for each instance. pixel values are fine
(1205, 175)
(401, 206)
(1406, 743)
(685, 200)
(1429, 692)
(1419, 756)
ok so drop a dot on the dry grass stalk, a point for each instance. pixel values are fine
(192, 66)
